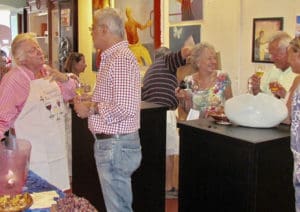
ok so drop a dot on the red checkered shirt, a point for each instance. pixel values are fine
(117, 92)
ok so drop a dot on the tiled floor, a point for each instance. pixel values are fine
(171, 205)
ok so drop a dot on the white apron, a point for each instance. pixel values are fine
(42, 122)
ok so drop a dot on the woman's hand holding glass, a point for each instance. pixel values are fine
(184, 97)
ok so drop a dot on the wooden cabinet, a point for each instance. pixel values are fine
(55, 24)
(38, 23)
(231, 168)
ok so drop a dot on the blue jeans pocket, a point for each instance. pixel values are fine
(130, 160)
(103, 152)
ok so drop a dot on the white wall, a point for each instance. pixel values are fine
(228, 26)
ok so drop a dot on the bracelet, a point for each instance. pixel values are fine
(3, 139)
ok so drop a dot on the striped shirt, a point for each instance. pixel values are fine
(160, 80)
(14, 90)
(117, 92)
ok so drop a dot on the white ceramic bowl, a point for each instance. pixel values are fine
(261, 111)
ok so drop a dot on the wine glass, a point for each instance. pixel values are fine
(259, 71)
(83, 90)
(274, 85)
(80, 89)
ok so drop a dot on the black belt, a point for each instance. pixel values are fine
(107, 136)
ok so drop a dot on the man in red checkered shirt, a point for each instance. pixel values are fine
(114, 111)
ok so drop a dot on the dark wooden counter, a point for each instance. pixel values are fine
(231, 168)
(149, 179)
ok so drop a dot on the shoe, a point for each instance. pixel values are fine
(172, 193)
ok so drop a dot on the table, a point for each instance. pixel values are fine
(232, 168)
(148, 181)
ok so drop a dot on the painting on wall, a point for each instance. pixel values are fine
(297, 32)
(179, 34)
(139, 28)
(263, 28)
(185, 10)
(98, 4)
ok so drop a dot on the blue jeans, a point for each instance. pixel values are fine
(116, 160)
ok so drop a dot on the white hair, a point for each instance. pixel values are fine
(283, 38)
(112, 19)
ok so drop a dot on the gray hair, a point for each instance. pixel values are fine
(283, 39)
(162, 51)
(197, 52)
(112, 19)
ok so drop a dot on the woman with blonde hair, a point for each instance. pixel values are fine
(207, 88)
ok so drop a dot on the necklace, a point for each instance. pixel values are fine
(204, 84)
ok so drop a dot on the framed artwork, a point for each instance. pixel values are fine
(179, 34)
(263, 28)
(98, 4)
(297, 33)
(139, 28)
(185, 10)
(142, 27)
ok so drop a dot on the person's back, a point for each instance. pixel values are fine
(160, 80)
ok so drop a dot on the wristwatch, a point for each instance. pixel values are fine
(3, 139)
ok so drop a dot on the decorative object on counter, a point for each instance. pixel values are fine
(220, 118)
(261, 111)
(42, 200)
(71, 202)
(14, 163)
(15, 203)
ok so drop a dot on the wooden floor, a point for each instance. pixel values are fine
(171, 205)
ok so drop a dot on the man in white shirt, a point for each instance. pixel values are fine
(276, 81)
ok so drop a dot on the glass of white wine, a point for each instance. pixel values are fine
(259, 71)
(80, 89)
(83, 90)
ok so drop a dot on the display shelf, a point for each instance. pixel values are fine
(38, 24)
